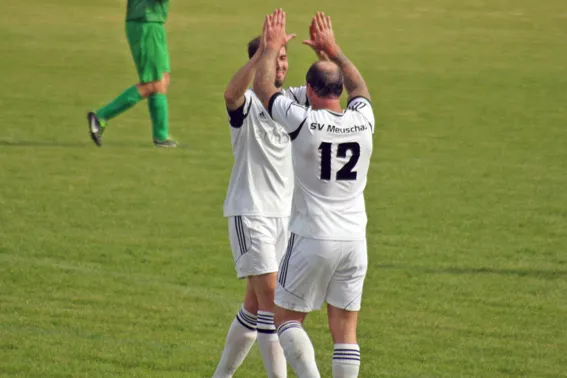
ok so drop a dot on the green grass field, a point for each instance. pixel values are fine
(116, 262)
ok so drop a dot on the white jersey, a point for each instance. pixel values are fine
(331, 154)
(261, 183)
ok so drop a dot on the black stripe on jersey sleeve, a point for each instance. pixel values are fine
(236, 117)
(356, 98)
(287, 110)
(295, 133)
(294, 96)
(271, 103)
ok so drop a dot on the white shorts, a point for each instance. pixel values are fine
(258, 243)
(316, 271)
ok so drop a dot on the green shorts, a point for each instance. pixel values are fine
(148, 45)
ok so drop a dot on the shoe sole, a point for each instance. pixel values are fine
(165, 146)
(90, 119)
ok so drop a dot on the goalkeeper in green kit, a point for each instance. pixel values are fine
(146, 36)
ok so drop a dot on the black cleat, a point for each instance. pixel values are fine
(96, 128)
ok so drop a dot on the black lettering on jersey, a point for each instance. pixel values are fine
(317, 126)
(346, 130)
(346, 173)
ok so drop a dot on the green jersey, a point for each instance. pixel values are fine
(147, 10)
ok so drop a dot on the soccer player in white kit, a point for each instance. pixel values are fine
(326, 257)
(257, 205)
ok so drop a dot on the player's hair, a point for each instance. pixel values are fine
(325, 82)
(253, 46)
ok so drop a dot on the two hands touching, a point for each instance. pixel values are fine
(321, 40)
(321, 36)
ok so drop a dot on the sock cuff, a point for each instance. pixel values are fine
(158, 96)
(287, 326)
(266, 322)
(247, 319)
(347, 346)
(133, 91)
(347, 353)
(248, 313)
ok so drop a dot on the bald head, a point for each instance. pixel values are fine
(326, 79)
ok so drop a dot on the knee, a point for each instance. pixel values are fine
(264, 287)
(153, 87)
(145, 89)
(282, 315)
(251, 303)
(167, 78)
(162, 85)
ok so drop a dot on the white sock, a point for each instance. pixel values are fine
(298, 350)
(270, 348)
(346, 361)
(240, 338)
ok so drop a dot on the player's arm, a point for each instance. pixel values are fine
(264, 86)
(354, 82)
(274, 37)
(237, 86)
(323, 38)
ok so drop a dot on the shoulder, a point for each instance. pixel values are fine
(237, 117)
(297, 94)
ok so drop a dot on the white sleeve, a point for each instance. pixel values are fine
(298, 94)
(288, 113)
(363, 106)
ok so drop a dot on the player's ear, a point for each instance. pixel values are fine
(309, 90)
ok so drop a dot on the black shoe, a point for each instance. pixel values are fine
(96, 128)
(166, 143)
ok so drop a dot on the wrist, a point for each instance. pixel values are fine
(272, 47)
(257, 56)
(333, 52)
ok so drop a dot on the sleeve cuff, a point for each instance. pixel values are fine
(357, 98)
(236, 117)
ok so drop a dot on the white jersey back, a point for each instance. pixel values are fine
(331, 154)
(261, 183)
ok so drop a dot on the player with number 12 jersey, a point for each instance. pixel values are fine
(331, 157)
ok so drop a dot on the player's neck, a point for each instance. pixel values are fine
(331, 104)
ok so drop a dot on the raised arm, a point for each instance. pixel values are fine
(275, 38)
(323, 39)
(354, 82)
(237, 86)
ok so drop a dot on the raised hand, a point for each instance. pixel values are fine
(274, 34)
(322, 37)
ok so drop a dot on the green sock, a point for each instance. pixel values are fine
(125, 101)
(159, 114)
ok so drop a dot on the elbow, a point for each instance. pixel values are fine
(229, 96)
